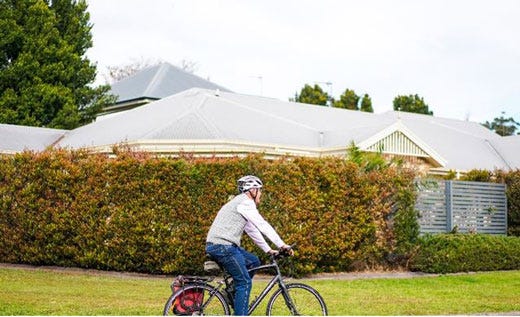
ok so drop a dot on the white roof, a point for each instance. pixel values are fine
(509, 149)
(200, 114)
(158, 81)
(15, 138)
(205, 115)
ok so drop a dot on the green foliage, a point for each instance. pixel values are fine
(145, 214)
(451, 175)
(503, 126)
(366, 104)
(448, 253)
(369, 161)
(512, 181)
(312, 95)
(44, 76)
(411, 103)
(348, 100)
(478, 176)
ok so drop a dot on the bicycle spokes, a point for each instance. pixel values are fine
(296, 299)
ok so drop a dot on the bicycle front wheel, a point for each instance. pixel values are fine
(300, 299)
(196, 299)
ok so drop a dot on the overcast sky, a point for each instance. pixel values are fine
(462, 57)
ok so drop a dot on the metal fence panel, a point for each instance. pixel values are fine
(464, 206)
(431, 204)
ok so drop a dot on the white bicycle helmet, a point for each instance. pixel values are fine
(248, 182)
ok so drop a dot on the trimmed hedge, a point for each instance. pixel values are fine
(512, 180)
(450, 253)
(145, 214)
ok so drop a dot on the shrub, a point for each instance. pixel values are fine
(512, 180)
(478, 176)
(147, 214)
(448, 253)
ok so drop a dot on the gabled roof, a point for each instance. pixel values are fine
(16, 138)
(463, 145)
(157, 82)
(398, 139)
(201, 116)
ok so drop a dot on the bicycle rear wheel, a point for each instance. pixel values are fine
(196, 299)
(303, 300)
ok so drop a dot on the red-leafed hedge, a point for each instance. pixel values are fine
(145, 214)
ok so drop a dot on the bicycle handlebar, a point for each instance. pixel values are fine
(283, 252)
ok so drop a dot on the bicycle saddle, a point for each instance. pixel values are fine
(211, 266)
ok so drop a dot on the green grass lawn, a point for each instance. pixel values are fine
(43, 292)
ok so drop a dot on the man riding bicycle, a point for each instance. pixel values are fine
(223, 242)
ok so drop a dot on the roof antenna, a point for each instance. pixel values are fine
(217, 92)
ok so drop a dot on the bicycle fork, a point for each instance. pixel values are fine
(285, 293)
(288, 300)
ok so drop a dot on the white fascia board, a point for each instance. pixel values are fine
(218, 147)
(204, 147)
(9, 152)
(399, 126)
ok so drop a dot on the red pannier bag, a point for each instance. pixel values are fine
(190, 300)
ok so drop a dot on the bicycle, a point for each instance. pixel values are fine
(288, 299)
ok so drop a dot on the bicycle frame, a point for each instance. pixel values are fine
(277, 279)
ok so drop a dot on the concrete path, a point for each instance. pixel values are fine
(322, 276)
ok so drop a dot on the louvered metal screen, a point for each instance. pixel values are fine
(445, 206)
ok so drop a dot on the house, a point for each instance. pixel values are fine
(214, 122)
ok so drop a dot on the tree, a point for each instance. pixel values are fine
(119, 72)
(44, 76)
(188, 66)
(312, 95)
(502, 126)
(366, 104)
(411, 103)
(348, 100)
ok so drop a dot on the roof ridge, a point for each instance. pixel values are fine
(159, 74)
(195, 110)
(191, 110)
(265, 112)
(197, 77)
(497, 153)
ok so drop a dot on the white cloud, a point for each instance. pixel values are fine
(462, 56)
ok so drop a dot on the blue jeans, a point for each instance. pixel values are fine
(236, 261)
